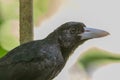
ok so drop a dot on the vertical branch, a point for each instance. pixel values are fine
(26, 21)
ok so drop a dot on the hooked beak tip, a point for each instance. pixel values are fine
(91, 33)
(103, 34)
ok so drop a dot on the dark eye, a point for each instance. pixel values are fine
(72, 31)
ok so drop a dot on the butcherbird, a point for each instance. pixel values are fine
(44, 59)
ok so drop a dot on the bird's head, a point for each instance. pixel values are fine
(72, 34)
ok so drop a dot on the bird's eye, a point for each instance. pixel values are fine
(72, 31)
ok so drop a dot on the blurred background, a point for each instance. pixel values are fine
(97, 59)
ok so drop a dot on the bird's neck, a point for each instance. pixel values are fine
(68, 51)
(55, 39)
(66, 48)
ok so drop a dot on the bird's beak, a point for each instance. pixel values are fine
(91, 33)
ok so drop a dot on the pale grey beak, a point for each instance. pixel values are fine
(93, 33)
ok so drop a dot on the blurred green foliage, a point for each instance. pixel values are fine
(9, 14)
(40, 8)
(95, 56)
(2, 52)
(7, 38)
(9, 9)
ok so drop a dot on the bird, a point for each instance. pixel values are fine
(44, 59)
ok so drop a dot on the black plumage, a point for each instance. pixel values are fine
(44, 59)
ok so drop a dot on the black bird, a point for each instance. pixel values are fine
(44, 59)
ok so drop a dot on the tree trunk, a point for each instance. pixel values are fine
(26, 21)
